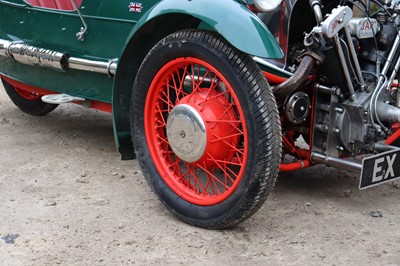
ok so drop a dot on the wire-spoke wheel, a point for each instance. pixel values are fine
(28, 102)
(206, 129)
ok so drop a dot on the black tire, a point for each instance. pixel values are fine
(33, 106)
(253, 97)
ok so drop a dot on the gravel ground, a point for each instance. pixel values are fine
(67, 198)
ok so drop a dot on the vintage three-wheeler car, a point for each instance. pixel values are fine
(187, 83)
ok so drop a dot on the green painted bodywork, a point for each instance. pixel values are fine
(56, 30)
(242, 28)
(116, 33)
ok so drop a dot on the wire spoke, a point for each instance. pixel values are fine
(227, 110)
(164, 140)
(213, 176)
(223, 167)
(241, 151)
(225, 137)
(160, 115)
(216, 174)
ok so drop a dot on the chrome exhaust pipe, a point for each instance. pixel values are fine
(336, 162)
(108, 68)
(34, 56)
(388, 113)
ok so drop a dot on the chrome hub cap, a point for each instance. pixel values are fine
(186, 133)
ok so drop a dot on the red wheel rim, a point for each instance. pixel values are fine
(215, 176)
(27, 95)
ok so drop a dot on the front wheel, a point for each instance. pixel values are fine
(206, 129)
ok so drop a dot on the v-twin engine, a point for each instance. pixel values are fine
(357, 97)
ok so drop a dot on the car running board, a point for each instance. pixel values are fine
(61, 98)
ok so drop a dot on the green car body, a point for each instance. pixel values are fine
(114, 34)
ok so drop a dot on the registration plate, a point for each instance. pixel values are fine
(380, 168)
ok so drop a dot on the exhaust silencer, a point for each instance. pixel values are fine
(34, 56)
(31, 55)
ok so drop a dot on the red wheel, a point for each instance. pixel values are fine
(206, 129)
(201, 149)
(28, 102)
(30, 96)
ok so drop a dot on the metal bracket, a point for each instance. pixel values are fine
(81, 34)
(61, 98)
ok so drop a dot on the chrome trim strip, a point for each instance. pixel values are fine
(8, 3)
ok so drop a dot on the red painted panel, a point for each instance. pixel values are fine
(64, 5)
(48, 4)
(105, 107)
(55, 4)
(26, 87)
(33, 2)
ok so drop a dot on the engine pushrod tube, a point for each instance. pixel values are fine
(391, 55)
(336, 162)
(316, 7)
(394, 73)
(353, 95)
(35, 56)
(354, 56)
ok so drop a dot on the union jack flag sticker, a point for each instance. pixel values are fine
(135, 7)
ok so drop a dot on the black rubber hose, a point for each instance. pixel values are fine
(298, 78)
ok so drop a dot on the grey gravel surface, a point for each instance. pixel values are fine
(67, 199)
